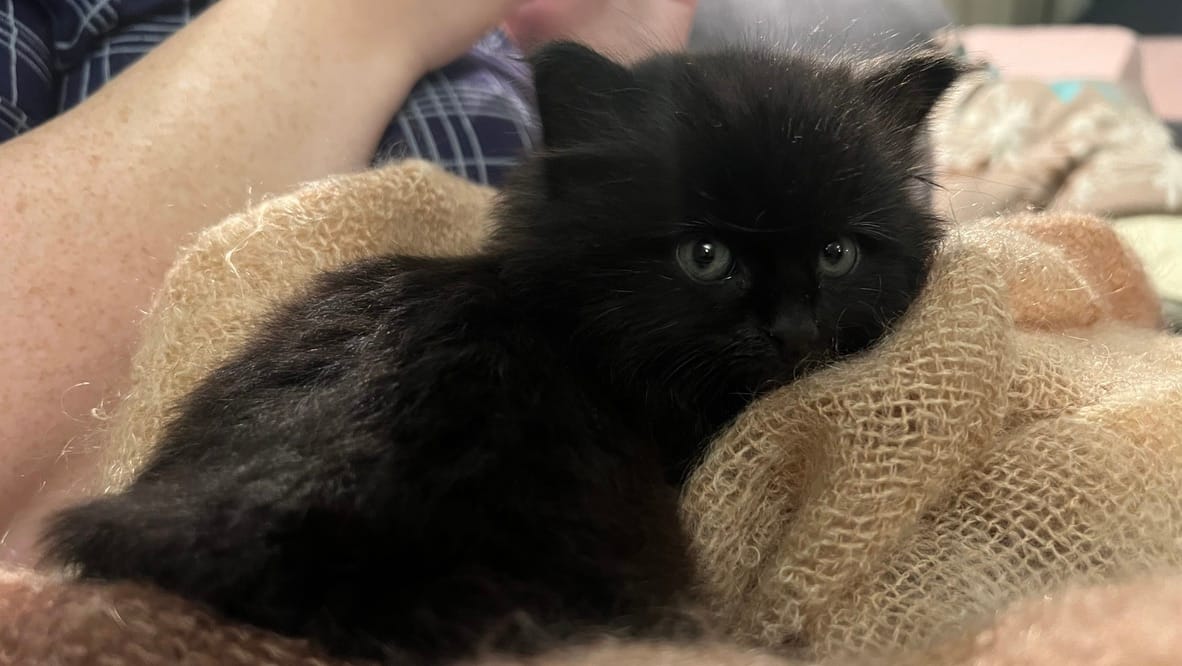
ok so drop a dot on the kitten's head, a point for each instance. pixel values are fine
(717, 222)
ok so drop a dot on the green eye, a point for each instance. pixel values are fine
(705, 259)
(838, 258)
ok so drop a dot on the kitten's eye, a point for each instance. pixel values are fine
(838, 258)
(705, 259)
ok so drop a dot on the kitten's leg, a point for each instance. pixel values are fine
(193, 544)
(327, 560)
(263, 550)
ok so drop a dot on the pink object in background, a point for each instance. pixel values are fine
(1148, 67)
(1052, 53)
(1161, 68)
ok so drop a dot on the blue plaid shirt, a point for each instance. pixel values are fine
(473, 117)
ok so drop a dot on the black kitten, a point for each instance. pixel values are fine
(426, 457)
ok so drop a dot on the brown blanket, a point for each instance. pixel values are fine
(1020, 434)
(46, 621)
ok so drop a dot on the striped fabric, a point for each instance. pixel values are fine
(474, 117)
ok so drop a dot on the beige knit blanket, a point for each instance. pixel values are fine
(1015, 443)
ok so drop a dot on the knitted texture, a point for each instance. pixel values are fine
(1019, 432)
(1021, 429)
(234, 272)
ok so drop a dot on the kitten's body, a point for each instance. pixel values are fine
(420, 453)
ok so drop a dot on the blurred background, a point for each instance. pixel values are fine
(1128, 50)
(1132, 51)
(1144, 16)
(1133, 45)
(1142, 45)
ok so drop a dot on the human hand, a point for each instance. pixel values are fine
(624, 29)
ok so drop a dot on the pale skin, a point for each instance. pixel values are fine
(251, 99)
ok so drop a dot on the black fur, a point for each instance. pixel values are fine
(426, 457)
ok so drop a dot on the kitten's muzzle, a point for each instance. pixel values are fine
(794, 337)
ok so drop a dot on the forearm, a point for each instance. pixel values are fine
(243, 102)
(247, 100)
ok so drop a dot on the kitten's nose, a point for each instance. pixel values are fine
(794, 335)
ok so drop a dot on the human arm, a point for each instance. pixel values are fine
(252, 98)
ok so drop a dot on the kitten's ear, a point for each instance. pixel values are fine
(579, 93)
(907, 87)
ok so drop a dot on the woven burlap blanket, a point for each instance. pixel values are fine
(1000, 482)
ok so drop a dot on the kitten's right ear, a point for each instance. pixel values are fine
(907, 86)
(579, 92)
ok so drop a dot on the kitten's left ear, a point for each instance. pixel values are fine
(907, 87)
(580, 93)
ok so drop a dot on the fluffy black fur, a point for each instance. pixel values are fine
(424, 457)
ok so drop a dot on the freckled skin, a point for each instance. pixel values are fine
(423, 457)
(252, 98)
